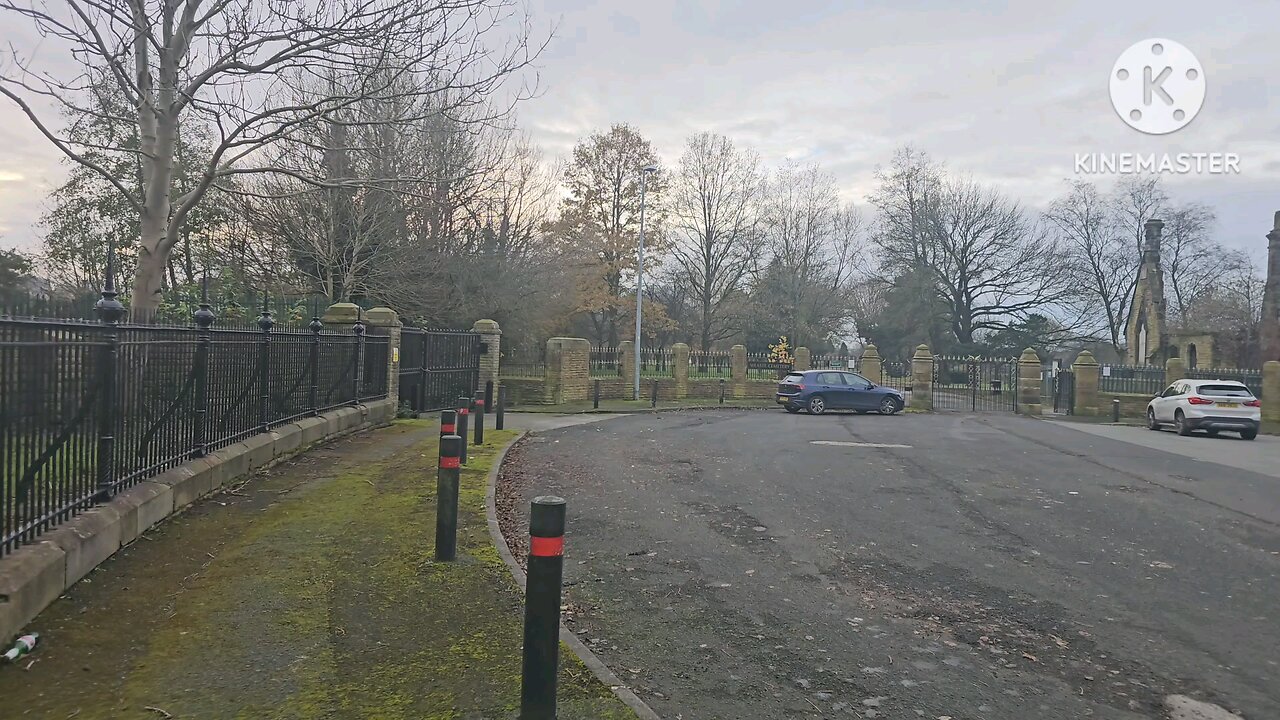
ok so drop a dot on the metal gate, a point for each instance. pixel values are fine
(1064, 392)
(437, 367)
(975, 384)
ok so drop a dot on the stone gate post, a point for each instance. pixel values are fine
(1029, 383)
(871, 366)
(1088, 375)
(922, 378)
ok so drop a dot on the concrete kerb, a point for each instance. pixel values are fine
(35, 575)
(593, 663)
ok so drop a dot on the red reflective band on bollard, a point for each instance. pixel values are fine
(450, 462)
(463, 411)
(546, 547)
(447, 429)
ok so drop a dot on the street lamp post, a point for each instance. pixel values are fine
(644, 175)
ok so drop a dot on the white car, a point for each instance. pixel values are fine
(1209, 405)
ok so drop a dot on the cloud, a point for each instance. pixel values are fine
(1008, 92)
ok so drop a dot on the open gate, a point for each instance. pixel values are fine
(437, 367)
(975, 384)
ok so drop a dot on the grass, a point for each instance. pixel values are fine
(311, 593)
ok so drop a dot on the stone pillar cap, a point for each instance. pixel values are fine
(382, 317)
(870, 351)
(1085, 358)
(922, 351)
(343, 312)
(486, 324)
(1029, 355)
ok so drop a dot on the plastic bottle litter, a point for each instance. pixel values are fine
(22, 646)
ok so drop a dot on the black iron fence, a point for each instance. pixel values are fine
(975, 384)
(88, 409)
(657, 363)
(1251, 377)
(711, 364)
(760, 366)
(1132, 379)
(528, 361)
(437, 367)
(835, 362)
(605, 362)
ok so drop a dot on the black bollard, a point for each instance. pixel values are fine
(480, 407)
(1115, 410)
(464, 412)
(448, 423)
(653, 396)
(447, 498)
(595, 396)
(502, 407)
(488, 395)
(542, 609)
(721, 391)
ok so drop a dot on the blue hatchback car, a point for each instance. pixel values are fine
(818, 391)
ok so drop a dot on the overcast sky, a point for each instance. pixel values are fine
(1006, 91)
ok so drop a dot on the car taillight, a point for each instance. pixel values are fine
(1253, 403)
(799, 386)
(1199, 401)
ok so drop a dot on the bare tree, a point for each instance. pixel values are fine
(990, 263)
(806, 287)
(1193, 262)
(714, 217)
(1100, 262)
(227, 61)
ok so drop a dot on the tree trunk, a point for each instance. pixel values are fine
(148, 279)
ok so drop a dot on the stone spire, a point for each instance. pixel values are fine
(1145, 333)
(1271, 297)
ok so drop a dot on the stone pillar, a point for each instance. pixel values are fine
(1270, 329)
(627, 357)
(803, 360)
(922, 379)
(388, 323)
(1175, 368)
(1088, 374)
(491, 336)
(568, 370)
(1271, 391)
(680, 353)
(1029, 382)
(738, 370)
(871, 366)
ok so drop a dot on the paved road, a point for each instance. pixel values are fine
(999, 567)
(1260, 455)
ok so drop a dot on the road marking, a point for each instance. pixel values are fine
(857, 444)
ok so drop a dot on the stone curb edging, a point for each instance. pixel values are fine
(593, 663)
(35, 575)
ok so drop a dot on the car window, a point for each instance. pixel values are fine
(1225, 390)
(1170, 391)
(830, 378)
(855, 380)
(793, 378)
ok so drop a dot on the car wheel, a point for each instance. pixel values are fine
(817, 405)
(888, 406)
(1180, 421)
(1248, 434)
(1151, 420)
(791, 409)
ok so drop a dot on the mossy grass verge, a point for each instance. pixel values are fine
(310, 592)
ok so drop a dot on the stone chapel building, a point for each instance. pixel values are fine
(1150, 341)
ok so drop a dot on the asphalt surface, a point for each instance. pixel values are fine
(999, 567)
